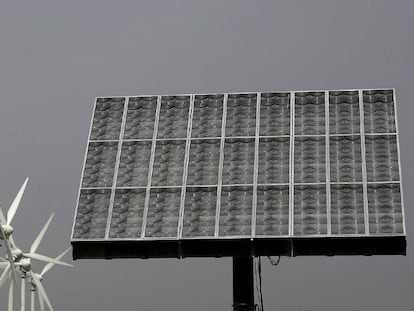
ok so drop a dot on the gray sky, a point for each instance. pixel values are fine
(57, 56)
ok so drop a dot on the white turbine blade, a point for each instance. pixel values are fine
(15, 204)
(41, 302)
(4, 275)
(50, 265)
(10, 257)
(46, 259)
(2, 218)
(41, 290)
(4, 265)
(42, 232)
(12, 243)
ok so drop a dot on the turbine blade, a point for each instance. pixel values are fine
(4, 275)
(42, 232)
(41, 302)
(12, 243)
(41, 290)
(4, 265)
(10, 258)
(46, 259)
(2, 218)
(50, 265)
(15, 204)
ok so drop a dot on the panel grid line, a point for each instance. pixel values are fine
(83, 166)
(292, 164)
(115, 177)
(327, 167)
(150, 168)
(363, 164)
(185, 168)
(220, 168)
(256, 165)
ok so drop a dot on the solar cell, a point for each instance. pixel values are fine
(280, 173)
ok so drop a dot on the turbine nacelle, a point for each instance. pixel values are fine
(7, 230)
(25, 265)
(17, 254)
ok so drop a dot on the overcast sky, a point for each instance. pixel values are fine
(57, 56)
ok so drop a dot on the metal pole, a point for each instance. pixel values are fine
(243, 284)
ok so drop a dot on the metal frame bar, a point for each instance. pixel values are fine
(221, 163)
(151, 164)
(397, 130)
(185, 168)
(256, 165)
(363, 157)
(328, 167)
(83, 166)
(117, 161)
(292, 165)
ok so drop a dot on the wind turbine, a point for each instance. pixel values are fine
(23, 263)
(36, 284)
(6, 230)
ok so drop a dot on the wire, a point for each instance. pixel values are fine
(258, 277)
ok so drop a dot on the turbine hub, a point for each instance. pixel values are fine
(7, 229)
(25, 264)
(17, 254)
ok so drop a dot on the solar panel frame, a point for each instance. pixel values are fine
(290, 238)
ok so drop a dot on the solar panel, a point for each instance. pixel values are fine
(277, 173)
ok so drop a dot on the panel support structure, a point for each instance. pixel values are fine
(243, 284)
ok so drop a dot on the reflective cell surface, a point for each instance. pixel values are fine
(92, 214)
(168, 163)
(346, 159)
(241, 115)
(272, 215)
(203, 162)
(274, 114)
(106, 124)
(173, 121)
(344, 117)
(310, 166)
(207, 116)
(274, 156)
(127, 213)
(347, 209)
(310, 210)
(379, 111)
(382, 158)
(163, 210)
(200, 211)
(385, 212)
(236, 211)
(100, 164)
(238, 161)
(310, 113)
(134, 164)
(140, 117)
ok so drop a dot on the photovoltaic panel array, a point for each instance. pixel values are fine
(281, 173)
